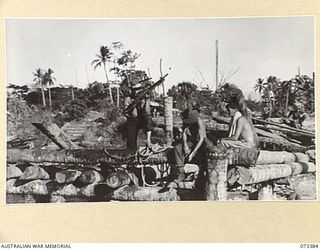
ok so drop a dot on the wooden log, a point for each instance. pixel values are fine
(262, 173)
(136, 193)
(34, 173)
(85, 156)
(312, 155)
(89, 177)
(56, 135)
(38, 187)
(302, 167)
(118, 179)
(307, 133)
(279, 145)
(216, 187)
(285, 130)
(13, 172)
(67, 190)
(275, 157)
(44, 123)
(67, 176)
(300, 157)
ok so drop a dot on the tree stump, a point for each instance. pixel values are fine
(216, 187)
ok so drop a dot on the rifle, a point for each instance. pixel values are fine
(142, 94)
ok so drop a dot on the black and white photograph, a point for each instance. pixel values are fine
(160, 109)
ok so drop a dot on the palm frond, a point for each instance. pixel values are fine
(97, 65)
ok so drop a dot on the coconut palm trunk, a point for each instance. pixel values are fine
(287, 99)
(43, 96)
(118, 96)
(50, 100)
(110, 90)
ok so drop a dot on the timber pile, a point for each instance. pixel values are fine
(270, 166)
(60, 181)
(269, 140)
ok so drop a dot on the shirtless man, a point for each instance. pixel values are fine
(242, 134)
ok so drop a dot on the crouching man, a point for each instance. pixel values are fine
(190, 153)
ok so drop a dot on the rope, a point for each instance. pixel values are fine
(121, 160)
(143, 154)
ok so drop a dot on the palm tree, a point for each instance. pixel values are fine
(260, 86)
(271, 88)
(49, 79)
(103, 58)
(117, 47)
(185, 90)
(39, 80)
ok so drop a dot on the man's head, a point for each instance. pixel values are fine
(233, 108)
(190, 116)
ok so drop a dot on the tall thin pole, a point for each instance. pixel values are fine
(88, 80)
(217, 64)
(76, 77)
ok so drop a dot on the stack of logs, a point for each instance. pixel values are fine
(59, 182)
(79, 173)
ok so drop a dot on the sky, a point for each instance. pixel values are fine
(257, 47)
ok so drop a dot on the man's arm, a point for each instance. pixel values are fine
(184, 141)
(202, 136)
(127, 101)
(149, 121)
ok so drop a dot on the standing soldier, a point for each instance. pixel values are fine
(138, 118)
